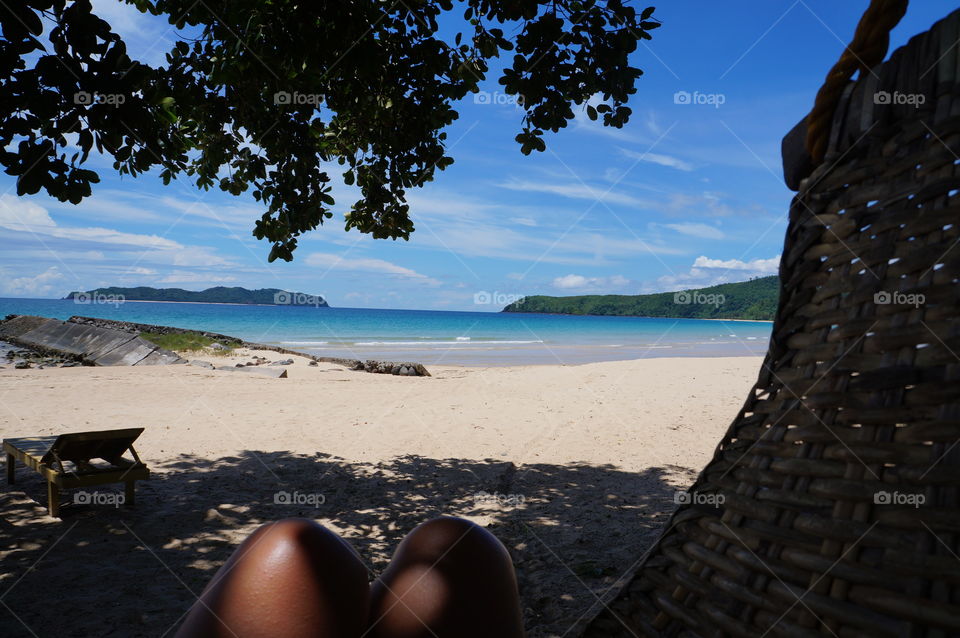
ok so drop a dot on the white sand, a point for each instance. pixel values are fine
(586, 459)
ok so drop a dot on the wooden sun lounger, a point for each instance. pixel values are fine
(49, 455)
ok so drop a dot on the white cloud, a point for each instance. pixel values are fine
(577, 247)
(577, 190)
(694, 229)
(579, 282)
(95, 256)
(584, 124)
(652, 125)
(447, 205)
(613, 174)
(711, 204)
(709, 272)
(330, 261)
(123, 18)
(20, 215)
(480, 234)
(570, 281)
(657, 158)
(524, 221)
(147, 37)
(762, 266)
(195, 257)
(23, 215)
(214, 210)
(195, 277)
(38, 285)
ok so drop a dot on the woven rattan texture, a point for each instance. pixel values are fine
(840, 476)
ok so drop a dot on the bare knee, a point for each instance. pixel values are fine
(449, 577)
(293, 565)
(453, 540)
(301, 535)
(303, 550)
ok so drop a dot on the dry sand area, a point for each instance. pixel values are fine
(585, 461)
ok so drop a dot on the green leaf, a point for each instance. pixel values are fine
(373, 89)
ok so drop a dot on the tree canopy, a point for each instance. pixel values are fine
(217, 294)
(755, 299)
(270, 95)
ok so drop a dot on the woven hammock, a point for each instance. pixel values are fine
(832, 503)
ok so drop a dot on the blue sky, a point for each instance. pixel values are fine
(686, 195)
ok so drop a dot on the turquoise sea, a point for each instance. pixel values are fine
(433, 337)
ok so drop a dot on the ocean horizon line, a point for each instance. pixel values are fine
(328, 307)
(453, 337)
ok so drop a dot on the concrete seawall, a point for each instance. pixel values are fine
(91, 345)
(98, 341)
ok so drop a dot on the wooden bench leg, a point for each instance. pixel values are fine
(10, 468)
(53, 498)
(129, 494)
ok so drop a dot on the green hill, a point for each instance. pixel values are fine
(219, 294)
(755, 299)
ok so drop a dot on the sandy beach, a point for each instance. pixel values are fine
(574, 467)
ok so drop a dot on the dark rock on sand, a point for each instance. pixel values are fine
(388, 367)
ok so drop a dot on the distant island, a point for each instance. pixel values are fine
(749, 300)
(219, 294)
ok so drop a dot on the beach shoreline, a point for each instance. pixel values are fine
(572, 467)
(432, 337)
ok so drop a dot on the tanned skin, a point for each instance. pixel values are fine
(449, 578)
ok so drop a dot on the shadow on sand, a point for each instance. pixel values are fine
(573, 531)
